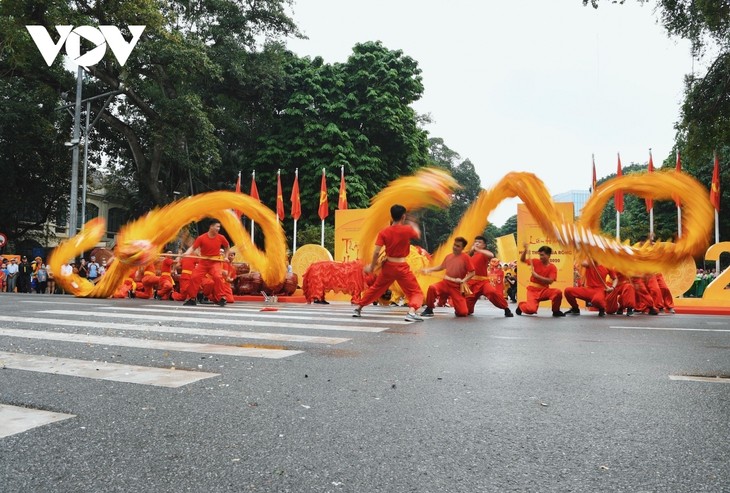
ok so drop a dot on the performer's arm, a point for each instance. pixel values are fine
(428, 270)
(376, 254)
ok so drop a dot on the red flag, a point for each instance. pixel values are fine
(238, 190)
(715, 190)
(296, 204)
(279, 197)
(254, 191)
(323, 203)
(677, 169)
(593, 185)
(618, 197)
(650, 202)
(342, 202)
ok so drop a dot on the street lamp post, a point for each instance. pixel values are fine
(75, 160)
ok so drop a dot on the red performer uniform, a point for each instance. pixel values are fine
(537, 291)
(457, 267)
(644, 300)
(594, 289)
(187, 265)
(622, 296)
(396, 239)
(150, 281)
(666, 294)
(480, 284)
(165, 284)
(209, 247)
(228, 271)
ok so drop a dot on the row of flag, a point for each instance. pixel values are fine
(619, 195)
(296, 204)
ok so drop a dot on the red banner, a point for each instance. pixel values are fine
(342, 202)
(323, 203)
(715, 190)
(279, 198)
(296, 204)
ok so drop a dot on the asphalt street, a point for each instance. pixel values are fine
(305, 398)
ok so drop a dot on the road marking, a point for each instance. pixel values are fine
(189, 347)
(14, 419)
(250, 312)
(99, 370)
(341, 310)
(699, 379)
(45, 302)
(178, 330)
(217, 320)
(685, 329)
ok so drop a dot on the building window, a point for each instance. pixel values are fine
(115, 221)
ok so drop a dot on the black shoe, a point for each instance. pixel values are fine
(427, 312)
(190, 302)
(572, 311)
(601, 312)
(629, 312)
(620, 311)
(508, 313)
(321, 302)
(653, 312)
(559, 314)
(518, 311)
(222, 302)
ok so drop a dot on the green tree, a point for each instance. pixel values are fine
(161, 128)
(34, 162)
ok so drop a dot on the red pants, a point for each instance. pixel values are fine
(535, 295)
(184, 283)
(484, 287)
(196, 278)
(644, 301)
(449, 289)
(622, 296)
(149, 282)
(667, 300)
(596, 296)
(164, 286)
(394, 271)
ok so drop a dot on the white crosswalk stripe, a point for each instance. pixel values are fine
(218, 320)
(101, 370)
(178, 330)
(189, 347)
(15, 419)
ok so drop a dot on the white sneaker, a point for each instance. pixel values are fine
(413, 317)
(356, 313)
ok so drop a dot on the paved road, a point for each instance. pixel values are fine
(144, 396)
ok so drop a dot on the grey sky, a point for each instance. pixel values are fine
(524, 85)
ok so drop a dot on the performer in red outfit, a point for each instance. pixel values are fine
(459, 270)
(208, 245)
(228, 271)
(666, 294)
(644, 300)
(150, 281)
(543, 275)
(187, 265)
(593, 291)
(480, 284)
(165, 284)
(622, 296)
(396, 239)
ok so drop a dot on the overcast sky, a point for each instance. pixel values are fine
(524, 85)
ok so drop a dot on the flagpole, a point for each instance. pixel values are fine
(321, 241)
(717, 226)
(294, 246)
(651, 211)
(618, 226)
(679, 222)
(253, 223)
